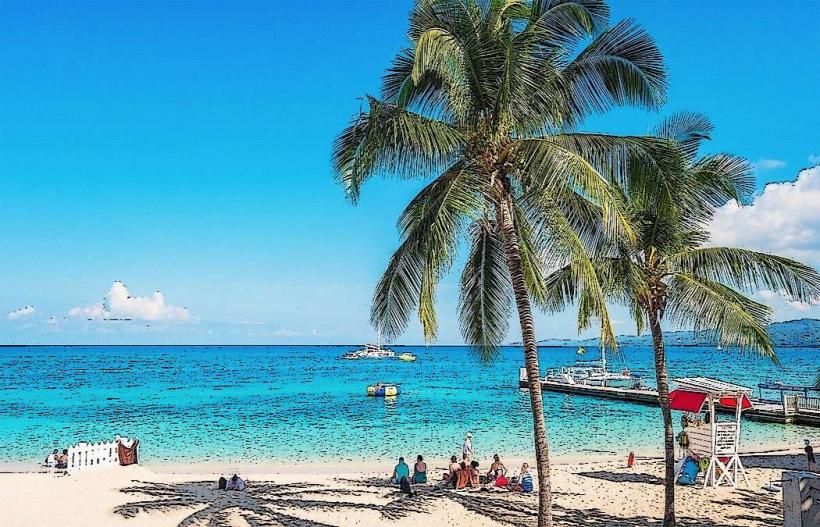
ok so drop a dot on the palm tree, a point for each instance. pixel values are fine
(484, 101)
(666, 272)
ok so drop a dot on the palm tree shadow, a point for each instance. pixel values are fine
(261, 504)
(267, 504)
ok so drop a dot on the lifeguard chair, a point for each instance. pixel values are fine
(717, 440)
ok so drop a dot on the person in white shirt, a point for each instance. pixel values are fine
(467, 448)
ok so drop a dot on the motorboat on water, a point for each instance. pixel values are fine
(594, 373)
(407, 357)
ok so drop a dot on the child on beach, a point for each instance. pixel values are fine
(810, 459)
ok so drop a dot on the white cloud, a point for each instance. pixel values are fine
(21, 312)
(814, 159)
(784, 220)
(284, 332)
(118, 303)
(768, 164)
(785, 308)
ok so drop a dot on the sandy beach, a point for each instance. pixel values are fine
(602, 492)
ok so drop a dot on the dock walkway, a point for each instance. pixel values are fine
(766, 411)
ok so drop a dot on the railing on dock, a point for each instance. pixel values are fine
(808, 403)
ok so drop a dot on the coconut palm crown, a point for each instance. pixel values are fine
(485, 102)
(665, 272)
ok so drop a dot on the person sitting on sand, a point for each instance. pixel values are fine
(235, 483)
(400, 471)
(474, 475)
(451, 476)
(497, 468)
(51, 459)
(62, 459)
(462, 476)
(525, 481)
(420, 471)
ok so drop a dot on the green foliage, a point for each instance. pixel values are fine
(482, 100)
(664, 270)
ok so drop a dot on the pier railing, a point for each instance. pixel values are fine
(808, 403)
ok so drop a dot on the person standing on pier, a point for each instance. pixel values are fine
(810, 459)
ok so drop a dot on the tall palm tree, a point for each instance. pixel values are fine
(483, 101)
(666, 273)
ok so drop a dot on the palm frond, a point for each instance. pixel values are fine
(391, 140)
(689, 129)
(749, 270)
(719, 178)
(433, 222)
(621, 66)
(549, 164)
(714, 308)
(397, 292)
(428, 96)
(564, 245)
(486, 293)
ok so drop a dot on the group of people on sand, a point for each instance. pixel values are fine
(235, 483)
(464, 474)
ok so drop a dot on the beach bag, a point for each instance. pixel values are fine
(128, 455)
(501, 481)
(405, 486)
(222, 483)
(526, 483)
(689, 472)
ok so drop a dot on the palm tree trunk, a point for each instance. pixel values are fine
(668, 433)
(522, 302)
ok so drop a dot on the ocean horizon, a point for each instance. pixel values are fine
(223, 404)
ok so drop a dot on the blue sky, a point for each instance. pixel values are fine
(184, 147)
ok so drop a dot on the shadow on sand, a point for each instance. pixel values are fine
(261, 504)
(268, 504)
(624, 477)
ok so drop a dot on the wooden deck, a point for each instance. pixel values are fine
(766, 411)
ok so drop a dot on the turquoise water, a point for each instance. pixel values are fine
(301, 404)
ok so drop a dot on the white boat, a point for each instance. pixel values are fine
(594, 373)
(371, 351)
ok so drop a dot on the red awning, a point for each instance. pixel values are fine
(731, 402)
(686, 401)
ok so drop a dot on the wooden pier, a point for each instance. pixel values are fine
(763, 410)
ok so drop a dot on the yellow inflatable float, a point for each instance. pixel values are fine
(383, 389)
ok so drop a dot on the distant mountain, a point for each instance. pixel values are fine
(804, 332)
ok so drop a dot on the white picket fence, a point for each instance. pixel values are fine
(85, 456)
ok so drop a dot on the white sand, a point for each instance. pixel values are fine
(598, 493)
